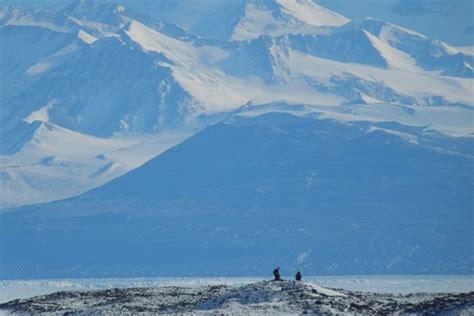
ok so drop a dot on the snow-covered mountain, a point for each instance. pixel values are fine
(103, 70)
(277, 17)
(94, 90)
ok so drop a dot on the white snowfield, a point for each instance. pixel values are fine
(90, 92)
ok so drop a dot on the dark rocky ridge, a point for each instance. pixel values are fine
(266, 297)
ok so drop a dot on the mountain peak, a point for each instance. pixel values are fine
(277, 17)
(312, 13)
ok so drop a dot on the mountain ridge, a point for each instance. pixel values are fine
(345, 184)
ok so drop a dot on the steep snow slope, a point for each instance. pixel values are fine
(394, 58)
(127, 91)
(181, 53)
(380, 194)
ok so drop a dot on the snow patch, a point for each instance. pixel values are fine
(395, 58)
(469, 50)
(38, 68)
(86, 37)
(41, 114)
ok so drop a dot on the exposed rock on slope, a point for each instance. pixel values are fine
(286, 297)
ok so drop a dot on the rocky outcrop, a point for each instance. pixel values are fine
(266, 297)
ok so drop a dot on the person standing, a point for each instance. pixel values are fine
(276, 274)
(298, 276)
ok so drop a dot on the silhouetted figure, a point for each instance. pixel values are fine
(298, 276)
(276, 274)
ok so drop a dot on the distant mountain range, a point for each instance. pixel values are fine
(256, 191)
(102, 70)
(290, 114)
